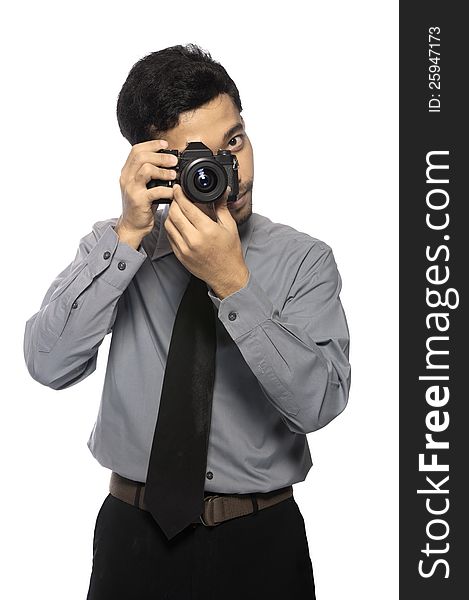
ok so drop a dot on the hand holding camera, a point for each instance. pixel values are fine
(150, 172)
(209, 248)
(143, 164)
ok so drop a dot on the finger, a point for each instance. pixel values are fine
(183, 225)
(159, 194)
(148, 171)
(222, 211)
(153, 145)
(142, 194)
(177, 241)
(192, 213)
(163, 161)
(141, 154)
(160, 159)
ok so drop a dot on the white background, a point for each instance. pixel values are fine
(318, 82)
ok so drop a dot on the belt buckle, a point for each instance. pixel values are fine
(207, 506)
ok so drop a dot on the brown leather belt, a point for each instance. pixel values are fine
(217, 507)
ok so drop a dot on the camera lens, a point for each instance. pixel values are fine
(205, 180)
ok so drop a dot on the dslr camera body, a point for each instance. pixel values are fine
(202, 175)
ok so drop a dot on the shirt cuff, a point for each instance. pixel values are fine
(245, 309)
(117, 259)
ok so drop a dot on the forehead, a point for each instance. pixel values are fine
(206, 124)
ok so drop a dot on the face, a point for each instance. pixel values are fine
(219, 126)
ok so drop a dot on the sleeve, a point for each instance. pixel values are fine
(61, 340)
(298, 354)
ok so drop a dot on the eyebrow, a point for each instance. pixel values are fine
(229, 134)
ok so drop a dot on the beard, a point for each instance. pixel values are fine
(247, 209)
(246, 215)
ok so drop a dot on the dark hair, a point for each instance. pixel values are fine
(165, 83)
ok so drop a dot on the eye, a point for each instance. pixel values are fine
(240, 141)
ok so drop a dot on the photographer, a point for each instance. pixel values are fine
(229, 344)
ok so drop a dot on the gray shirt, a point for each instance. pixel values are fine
(282, 366)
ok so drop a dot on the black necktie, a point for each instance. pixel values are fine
(174, 490)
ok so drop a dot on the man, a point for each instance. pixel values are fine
(282, 367)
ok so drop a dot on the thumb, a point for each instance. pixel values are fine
(221, 209)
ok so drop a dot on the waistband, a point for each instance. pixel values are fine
(218, 507)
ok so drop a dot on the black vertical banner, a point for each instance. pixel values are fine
(434, 328)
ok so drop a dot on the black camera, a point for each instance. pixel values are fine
(202, 175)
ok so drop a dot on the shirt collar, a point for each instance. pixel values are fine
(163, 247)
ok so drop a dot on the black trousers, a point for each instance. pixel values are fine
(263, 555)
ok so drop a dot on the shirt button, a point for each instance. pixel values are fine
(75, 304)
(232, 316)
(106, 255)
(121, 265)
(209, 475)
